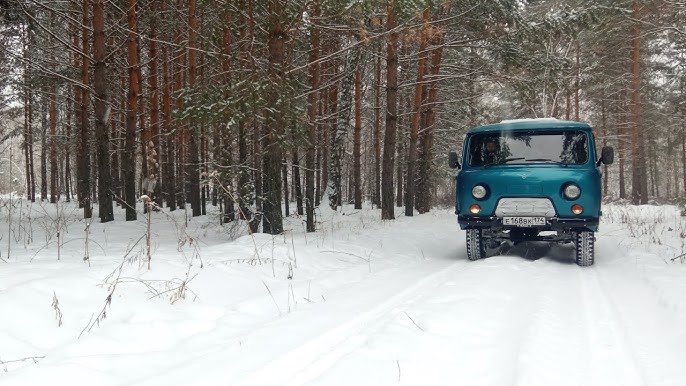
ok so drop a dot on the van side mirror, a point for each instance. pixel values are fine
(607, 155)
(453, 161)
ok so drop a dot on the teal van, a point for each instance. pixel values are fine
(530, 179)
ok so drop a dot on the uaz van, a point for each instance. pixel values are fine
(530, 179)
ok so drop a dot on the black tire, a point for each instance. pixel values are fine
(585, 248)
(475, 245)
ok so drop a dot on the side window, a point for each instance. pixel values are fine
(575, 148)
(475, 145)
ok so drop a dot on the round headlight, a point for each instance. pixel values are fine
(572, 191)
(479, 192)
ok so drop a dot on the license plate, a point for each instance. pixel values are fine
(524, 221)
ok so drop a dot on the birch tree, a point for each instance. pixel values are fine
(336, 153)
(387, 202)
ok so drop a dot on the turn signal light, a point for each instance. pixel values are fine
(577, 209)
(475, 209)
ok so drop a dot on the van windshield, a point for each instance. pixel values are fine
(568, 147)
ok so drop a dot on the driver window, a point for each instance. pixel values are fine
(485, 150)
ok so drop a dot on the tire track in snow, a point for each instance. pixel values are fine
(649, 330)
(552, 336)
(490, 333)
(609, 343)
(574, 331)
(522, 321)
(315, 356)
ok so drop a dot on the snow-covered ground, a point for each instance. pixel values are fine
(360, 302)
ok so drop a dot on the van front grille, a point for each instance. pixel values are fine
(525, 206)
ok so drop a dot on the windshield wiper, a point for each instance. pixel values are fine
(502, 162)
(546, 160)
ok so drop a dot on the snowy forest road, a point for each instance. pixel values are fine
(496, 322)
(529, 316)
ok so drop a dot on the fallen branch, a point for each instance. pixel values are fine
(34, 359)
(347, 253)
(272, 296)
(415, 323)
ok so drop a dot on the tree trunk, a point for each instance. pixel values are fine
(638, 172)
(83, 166)
(102, 113)
(286, 198)
(400, 151)
(247, 182)
(622, 155)
(28, 146)
(167, 148)
(45, 124)
(329, 129)
(577, 78)
(426, 143)
(67, 153)
(257, 130)
(193, 166)
(376, 197)
(115, 163)
(244, 190)
(128, 157)
(683, 138)
(312, 103)
(178, 145)
(357, 143)
(387, 207)
(53, 143)
(274, 125)
(321, 147)
(203, 169)
(152, 142)
(419, 93)
(683, 149)
(27, 139)
(297, 185)
(119, 136)
(604, 130)
(222, 142)
(258, 199)
(654, 173)
(337, 151)
(28, 117)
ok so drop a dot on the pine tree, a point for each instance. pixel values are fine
(102, 112)
(274, 125)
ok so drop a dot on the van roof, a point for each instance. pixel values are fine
(531, 124)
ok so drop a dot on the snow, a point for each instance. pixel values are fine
(545, 119)
(360, 302)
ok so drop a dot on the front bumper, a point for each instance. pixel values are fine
(552, 223)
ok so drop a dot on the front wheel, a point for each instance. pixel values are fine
(475, 245)
(585, 248)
